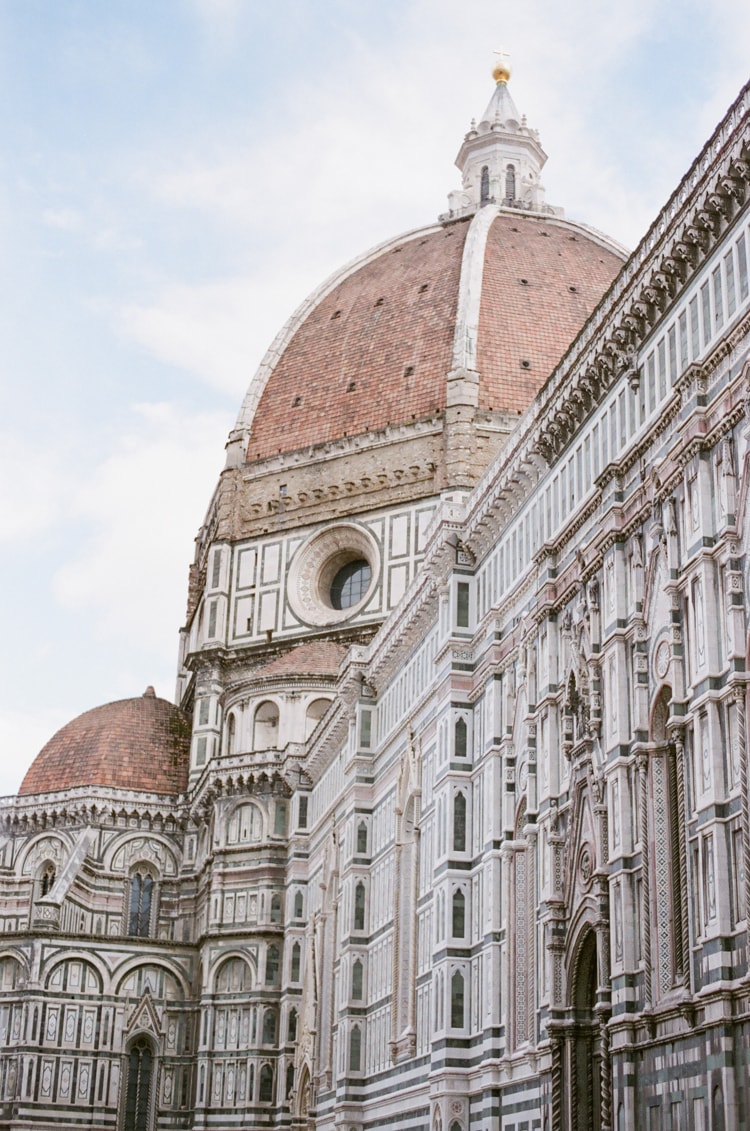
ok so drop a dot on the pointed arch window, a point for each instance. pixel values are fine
(510, 184)
(275, 908)
(459, 823)
(231, 733)
(361, 839)
(459, 915)
(46, 879)
(359, 907)
(272, 965)
(357, 980)
(484, 189)
(141, 898)
(457, 1000)
(355, 1049)
(292, 1028)
(298, 905)
(460, 738)
(296, 961)
(138, 1093)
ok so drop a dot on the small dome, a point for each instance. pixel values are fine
(135, 744)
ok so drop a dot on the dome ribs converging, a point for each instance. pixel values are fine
(542, 279)
(373, 352)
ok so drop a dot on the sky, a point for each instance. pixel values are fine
(176, 176)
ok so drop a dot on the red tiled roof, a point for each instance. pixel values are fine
(541, 282)
(378, 348)
(395, 313)
(136, 744)
(317, 657)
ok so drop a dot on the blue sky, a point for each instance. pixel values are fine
(176, 176)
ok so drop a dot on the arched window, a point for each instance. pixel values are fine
(459, 823)
(460, 738)
(276, 908)
(296, 959)
(355, 1049)
(298, 905)
(138, 1094)
(314, 714)
(289, 1079)
(459, 915)
(266, 728)
(359, 907)
(272, 964)
(484, 191)
(269, 1027)
(231, 730)
(46, 880)
(457, 1001)
(265, 1093)
(357, 979)
(361, 839)
(292, 1027)
(139, 914)
(510, 184)
(350, 584)
(456, 1126)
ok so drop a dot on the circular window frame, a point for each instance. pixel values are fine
(316, 564)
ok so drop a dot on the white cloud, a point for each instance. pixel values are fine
(22, 735)
(142, 506)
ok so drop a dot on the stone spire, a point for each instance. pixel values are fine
(501, 159)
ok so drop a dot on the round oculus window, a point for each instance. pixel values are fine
(350, 584)
(333, 574)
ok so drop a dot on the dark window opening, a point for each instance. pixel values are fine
(350, 584)
(140, 1071)
(141, 890)
(484, 190)
(459, 823)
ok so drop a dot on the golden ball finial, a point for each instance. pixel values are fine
(501, 71)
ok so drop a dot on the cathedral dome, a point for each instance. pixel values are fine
(502, 293)
(134, 744)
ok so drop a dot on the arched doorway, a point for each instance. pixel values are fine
(585, 1065)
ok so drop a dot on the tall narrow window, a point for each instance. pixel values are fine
(359, 907)
(292, 1030)
(296, 958)
(272, 964)
(484, 191)
(141, 889)
(459, 915)
(265, 1092)
(459, 823)
(462, 604)
(46, 880)
(302, 811)
(457, 1001)
(357, 972)
(355, 1049)
(298, 905)
(276, 908)
(361, 839)
(510, 184)
(269, 1027)
(138, 1096)
(460, 738)
(231, 731)
(266, 729)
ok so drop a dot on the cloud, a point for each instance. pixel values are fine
(22, 735)
(142, 507)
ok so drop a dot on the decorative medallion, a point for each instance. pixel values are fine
(585, 865)
(661, 660)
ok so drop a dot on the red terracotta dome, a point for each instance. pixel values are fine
(375, 344)
(135, 744)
